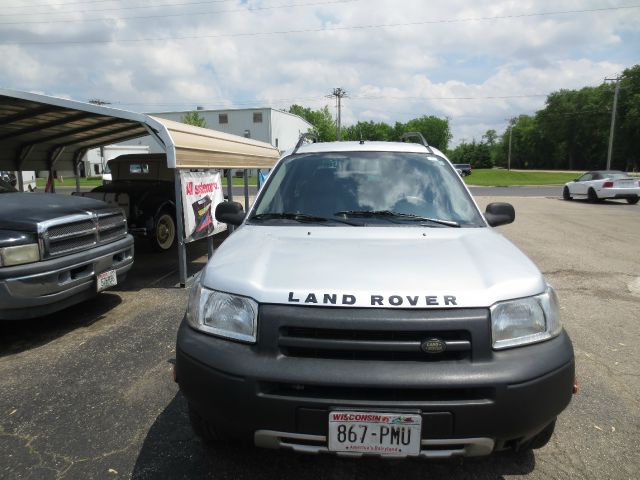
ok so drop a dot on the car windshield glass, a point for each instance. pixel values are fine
(6, 187)
(368, 188)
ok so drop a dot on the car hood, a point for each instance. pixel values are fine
(372, 267)
(23, 211)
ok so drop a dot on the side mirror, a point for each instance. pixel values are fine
(499, 214)
(230, 212)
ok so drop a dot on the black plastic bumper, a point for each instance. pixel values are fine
(508, 398)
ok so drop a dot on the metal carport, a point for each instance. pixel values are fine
(39, 132)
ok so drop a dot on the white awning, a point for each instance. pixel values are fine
(39, 132)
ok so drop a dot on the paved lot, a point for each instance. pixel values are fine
(87, 393)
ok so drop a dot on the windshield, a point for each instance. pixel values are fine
(381, 188)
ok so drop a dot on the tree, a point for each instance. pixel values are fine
(195, 119)
(322, 121)
(435, 130)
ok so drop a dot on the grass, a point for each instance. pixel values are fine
(71, 182)
(239, 181)
(503, 178)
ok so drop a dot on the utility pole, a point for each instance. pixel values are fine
(613, 119)
(338, 94)
(511, 124)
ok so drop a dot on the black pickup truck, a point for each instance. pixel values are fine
(464, 168)
(57, 251)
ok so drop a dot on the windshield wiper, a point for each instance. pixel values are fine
(390, 214)
(299, 217)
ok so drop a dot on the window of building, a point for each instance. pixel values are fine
(223, 118)
(257, 117)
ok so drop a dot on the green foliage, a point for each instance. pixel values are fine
(322, 121)
(435, 130)
(195, 119)
(477, 154)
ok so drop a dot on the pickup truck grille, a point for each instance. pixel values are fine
(74, 233)
(375, 334)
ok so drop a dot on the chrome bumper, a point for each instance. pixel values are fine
(37, 289)
(303, 443)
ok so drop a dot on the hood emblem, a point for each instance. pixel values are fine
(433, 345)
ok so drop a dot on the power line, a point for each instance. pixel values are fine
(323, 29)
(188, 14)
(117, 9)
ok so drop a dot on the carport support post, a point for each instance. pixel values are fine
(182, 250)
(246, 190)
(229, 193)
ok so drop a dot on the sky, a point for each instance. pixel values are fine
(476, 63)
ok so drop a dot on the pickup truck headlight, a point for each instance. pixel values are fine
(19, 254)
(525, 320)
(222, 314)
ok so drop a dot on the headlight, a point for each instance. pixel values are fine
(526, 320)
(19, 254)
(222, 314)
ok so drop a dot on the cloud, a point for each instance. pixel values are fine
(433, 58)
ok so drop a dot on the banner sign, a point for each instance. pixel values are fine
(201, 193)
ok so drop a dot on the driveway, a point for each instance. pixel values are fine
(87, 393)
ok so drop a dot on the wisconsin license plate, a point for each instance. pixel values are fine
(106, 279)
(392, 434)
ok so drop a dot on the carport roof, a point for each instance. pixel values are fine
(39, 132)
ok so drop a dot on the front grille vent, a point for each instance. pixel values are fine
(75, 233)
(372, 344)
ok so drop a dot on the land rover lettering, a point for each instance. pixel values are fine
(375, 300)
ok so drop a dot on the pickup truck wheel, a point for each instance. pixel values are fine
(164, 231)
(201, 427)
(566, 194)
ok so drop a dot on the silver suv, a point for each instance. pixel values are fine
(365, 306)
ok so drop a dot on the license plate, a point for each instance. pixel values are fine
(392, 434)
(106, 279)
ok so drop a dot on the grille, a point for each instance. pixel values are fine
(385, 344)
(111, 226)
(80, 232)
(58, 232)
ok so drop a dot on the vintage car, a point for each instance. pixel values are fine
(143, 187)
(57, 251)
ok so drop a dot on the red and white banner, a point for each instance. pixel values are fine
(201, 193)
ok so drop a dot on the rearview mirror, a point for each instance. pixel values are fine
(230, 212)
(499, 214)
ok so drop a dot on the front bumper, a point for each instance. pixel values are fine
(468, 407)
(40, 288)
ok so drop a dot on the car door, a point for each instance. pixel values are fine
(581, 185)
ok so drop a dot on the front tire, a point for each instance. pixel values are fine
(592, 196)
(566, 194)
(633, 201)
(164, 231)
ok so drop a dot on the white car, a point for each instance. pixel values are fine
(603, 184)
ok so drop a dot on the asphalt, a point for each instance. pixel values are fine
(87, 393)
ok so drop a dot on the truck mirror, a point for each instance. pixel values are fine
(499, 214)
(230, 212)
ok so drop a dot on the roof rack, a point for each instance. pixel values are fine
(419, 136)
(303, 137)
